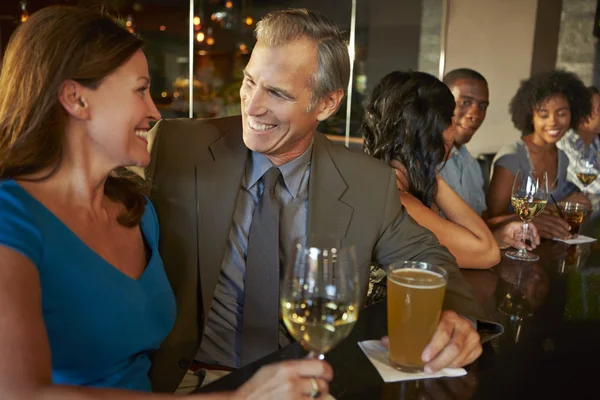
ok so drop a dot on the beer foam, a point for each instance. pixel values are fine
(398, 277)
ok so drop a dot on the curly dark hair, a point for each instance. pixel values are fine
(538, 88)
(405, 118)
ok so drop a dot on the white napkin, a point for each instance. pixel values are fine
(379, 357)
(578, 240)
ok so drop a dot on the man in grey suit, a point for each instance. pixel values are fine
(208, 180)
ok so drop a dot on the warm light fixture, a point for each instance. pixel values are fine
(129, 24)
(228, 4)
(200, 37)
(202, 52)
(210, 41)
(243, 47)
(24, 12)
(162, 28)
(164, 94)
(196, 20)
(248, 21)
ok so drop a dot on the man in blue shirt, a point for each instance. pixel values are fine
(586, 138)
(215, 181)
(462, 171)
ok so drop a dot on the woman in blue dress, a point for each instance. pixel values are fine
(544, 108)
(84, 299)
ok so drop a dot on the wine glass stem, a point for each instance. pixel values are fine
(314, 354)
(525, 236)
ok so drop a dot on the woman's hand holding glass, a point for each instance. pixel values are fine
(511, 235)
(296, 379)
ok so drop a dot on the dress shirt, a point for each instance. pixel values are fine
(221, 343)
(572, 145)
(463, 174)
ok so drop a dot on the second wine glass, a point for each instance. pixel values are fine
(529, 197)
(320, 295)
(587, 168)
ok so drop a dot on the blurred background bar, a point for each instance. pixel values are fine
(198, 48)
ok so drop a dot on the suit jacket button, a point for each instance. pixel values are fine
(183, 363)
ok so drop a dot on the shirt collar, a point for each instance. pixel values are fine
(292, 171)
(575, 140)
(572, 137)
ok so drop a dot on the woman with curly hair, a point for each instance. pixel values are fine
(408, 125)
(544, 108)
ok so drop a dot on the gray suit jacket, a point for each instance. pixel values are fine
(196, 170)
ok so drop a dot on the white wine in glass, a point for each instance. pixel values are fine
(529, 196)
(587, 168)
(320, 295)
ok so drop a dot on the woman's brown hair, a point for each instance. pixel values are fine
(56, 44)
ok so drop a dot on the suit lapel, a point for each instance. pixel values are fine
(327, 213)
(217, 188)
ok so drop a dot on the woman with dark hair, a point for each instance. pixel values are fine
(544, 108)
(84, 298)
(408, 125)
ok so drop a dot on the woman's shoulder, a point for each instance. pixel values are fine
(410, 202)
(18, 226)
(511, 154)
(513, 148)
(14, 200)
(150, 220)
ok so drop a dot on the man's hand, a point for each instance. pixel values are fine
(455, 343)
(579, 197)
(550, 226)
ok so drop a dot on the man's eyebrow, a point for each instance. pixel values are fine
(282, 92)
(462, 96)
(279, 90)
(144, 78)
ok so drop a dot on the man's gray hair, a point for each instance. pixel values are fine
(333, 62)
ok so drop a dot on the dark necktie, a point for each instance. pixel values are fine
(260, 320)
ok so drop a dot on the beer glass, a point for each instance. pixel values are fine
(415, 293)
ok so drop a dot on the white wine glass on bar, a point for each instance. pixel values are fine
(320, 294)
(587, 168)
(529, 196)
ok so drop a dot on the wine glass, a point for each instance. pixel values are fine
(529, 196)
(587, 168)
(320, 294)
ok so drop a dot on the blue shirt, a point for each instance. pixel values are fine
(222, 340)
(102, 325)
(573, 147)
(463, 174)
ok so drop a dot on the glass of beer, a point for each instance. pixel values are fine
(415, 293)
(574, 214)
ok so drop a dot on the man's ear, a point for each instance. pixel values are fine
(329, 104)
(71, 96)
